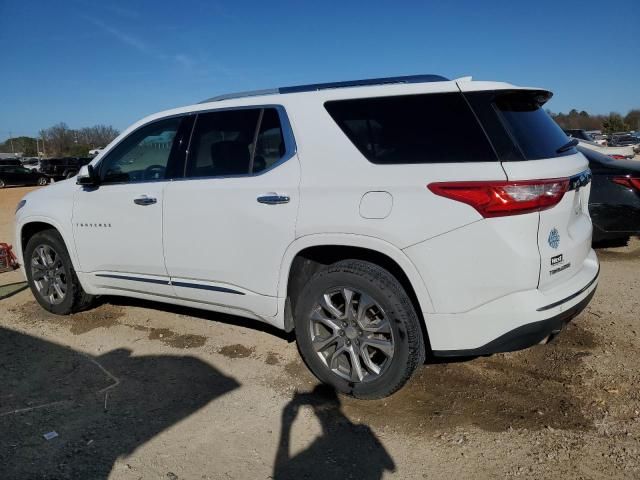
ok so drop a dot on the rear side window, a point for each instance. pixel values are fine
(235, 142)
(430, 128)
(534, 132)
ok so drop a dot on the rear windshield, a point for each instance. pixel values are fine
(427, 128)
(535, 134)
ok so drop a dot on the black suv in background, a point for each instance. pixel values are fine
(10, 162)
(60, 168)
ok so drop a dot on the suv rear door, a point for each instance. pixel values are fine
(533, 147)
(228, 223)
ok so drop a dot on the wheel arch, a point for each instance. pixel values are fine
(305, 255)
(33, 225)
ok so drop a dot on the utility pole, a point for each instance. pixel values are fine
(11, 140)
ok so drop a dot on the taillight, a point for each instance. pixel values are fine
(617, 157)
(628, 182)
(502, 198)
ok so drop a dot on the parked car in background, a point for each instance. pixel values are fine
(61, 168)
(19, 175)
(350, 212)
(624, 140)
(95, 151)
(614, 203)
(618, 153)
(599, 138)
(579, 133)
(31, 163)
(10, 162)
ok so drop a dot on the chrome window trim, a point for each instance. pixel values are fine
(290, 147)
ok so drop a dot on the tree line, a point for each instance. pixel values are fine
(62, 141)
(613, 122)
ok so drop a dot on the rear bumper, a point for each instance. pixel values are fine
(516, 321)
(525, 336)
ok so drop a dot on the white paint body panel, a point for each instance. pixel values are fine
(116, 238)
(477, 327)
(216, 231)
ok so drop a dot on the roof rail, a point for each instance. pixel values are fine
(324, 86)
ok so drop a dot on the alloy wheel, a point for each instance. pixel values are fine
(351, 335)
(48, 274)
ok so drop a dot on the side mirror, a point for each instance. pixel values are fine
(87, 176)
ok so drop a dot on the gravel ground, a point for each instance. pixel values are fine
(137, 390)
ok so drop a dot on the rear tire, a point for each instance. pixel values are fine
(42, 181)
(357, 330)
(2, 184)
(51, 276)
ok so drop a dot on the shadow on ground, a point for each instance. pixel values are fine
(101, 407)
(343, 450)
(11, 289)
(198, 313)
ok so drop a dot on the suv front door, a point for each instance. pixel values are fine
(118, 225)
(228, 223)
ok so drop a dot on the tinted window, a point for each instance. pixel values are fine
(533, 131)
(432, 128)
(270, 142)
(143, 155)
(235, 142)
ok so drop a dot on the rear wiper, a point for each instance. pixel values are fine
(568, 146)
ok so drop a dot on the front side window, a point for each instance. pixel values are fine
(427, 128)
(143, 155)
(235, 142)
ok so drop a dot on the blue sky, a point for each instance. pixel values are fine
(85, 62)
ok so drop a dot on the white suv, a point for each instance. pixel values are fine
(379, 219)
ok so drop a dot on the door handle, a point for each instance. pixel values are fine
(144, 200)
(273, 199)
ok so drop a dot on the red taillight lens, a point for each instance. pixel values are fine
(628, 182)
(499, 199)
(617, 157)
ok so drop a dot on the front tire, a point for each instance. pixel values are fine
(51, 276)
(357, 330)
(42, 181)
(2, 184)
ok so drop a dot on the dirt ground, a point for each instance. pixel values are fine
(137, 390)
